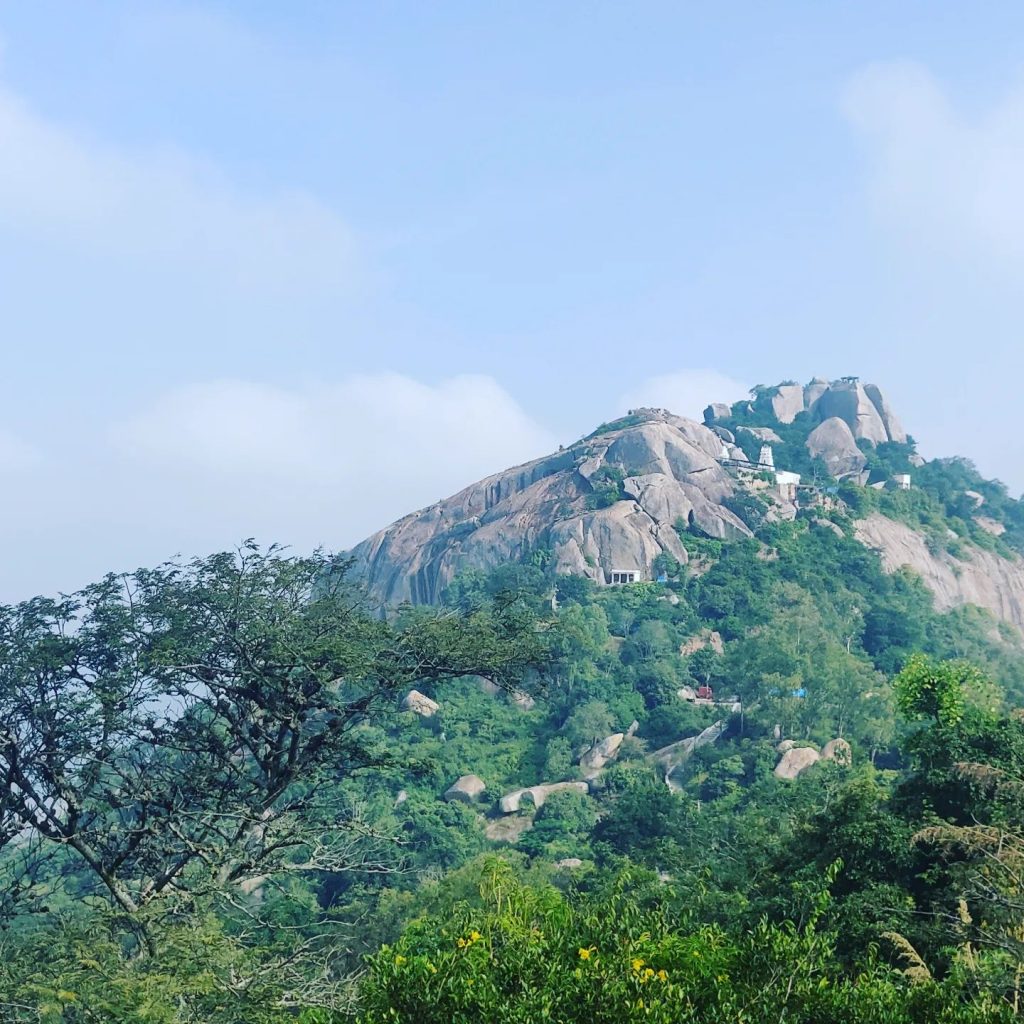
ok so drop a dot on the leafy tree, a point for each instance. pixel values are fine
(182, 728)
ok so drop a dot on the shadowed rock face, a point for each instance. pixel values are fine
(669, 471)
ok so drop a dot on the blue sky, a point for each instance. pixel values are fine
(292, 270)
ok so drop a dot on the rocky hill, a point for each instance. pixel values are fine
(608, 504)
(613, 506)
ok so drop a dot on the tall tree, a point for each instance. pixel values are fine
(180, 728)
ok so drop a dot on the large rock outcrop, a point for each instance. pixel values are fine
(608, 504)
(893, 427)
(833, 442)
(984, 578)
(849, 401)
(787, 402)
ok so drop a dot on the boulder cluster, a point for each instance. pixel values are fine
(796, 759)
(845, 411)
(609, 506)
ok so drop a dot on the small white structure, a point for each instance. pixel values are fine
(620, 576)
(787, 483)
(766, 458)
(902, 481)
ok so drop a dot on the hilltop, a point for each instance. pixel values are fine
(617, 505)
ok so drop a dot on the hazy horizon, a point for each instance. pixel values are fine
(292, 272)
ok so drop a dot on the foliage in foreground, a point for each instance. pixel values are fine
(532, 954)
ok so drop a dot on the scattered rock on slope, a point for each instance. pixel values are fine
(796, 760)
(467, 789)
(511, 802)
(837, 750)
(420, 704)
(594, 760)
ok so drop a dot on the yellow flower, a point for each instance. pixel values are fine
(399, 960)
(585, 953)
(474, 936)
(461, 943)
(638, 962)
(662, 975)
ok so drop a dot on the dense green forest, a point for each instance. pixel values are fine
(220, 803)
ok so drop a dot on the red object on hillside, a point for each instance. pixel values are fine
(705, 693)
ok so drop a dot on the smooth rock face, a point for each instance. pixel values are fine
(850, 403)
(717, 411)
(796, 760)
(837, 750)
(671, 472)
(833, 442)
(986, 579)
(420, 704)
(788, 402)
(466, 789)
(893, 427)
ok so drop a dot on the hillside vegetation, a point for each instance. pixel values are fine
(777, 785)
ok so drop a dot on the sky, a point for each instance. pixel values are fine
(290, 271)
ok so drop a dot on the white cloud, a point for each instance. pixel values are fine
(325, 463)
(685, 392)
(942, 175)
(161, 208)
